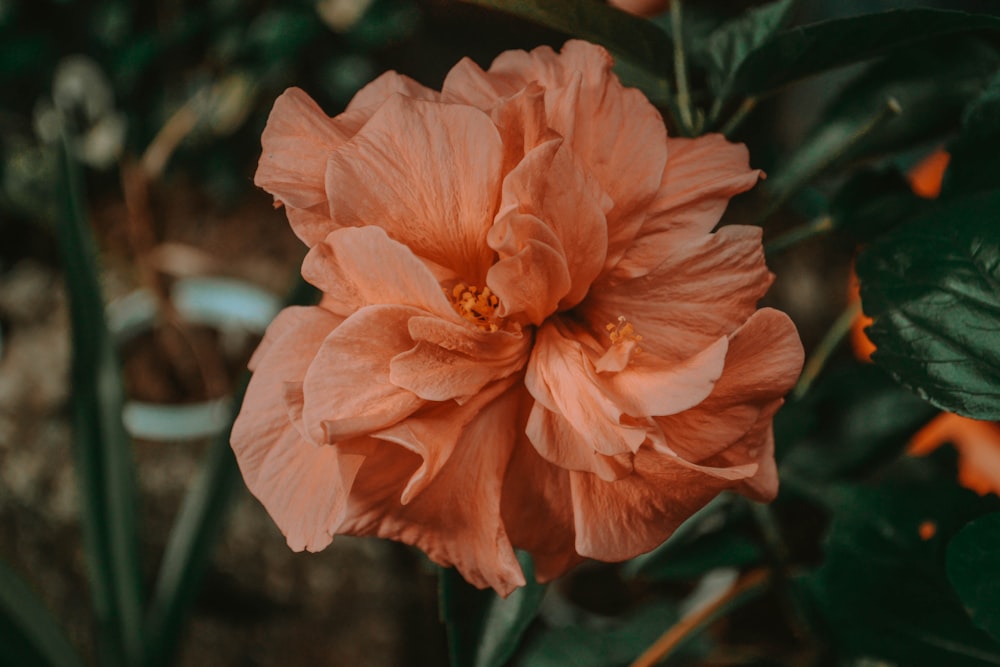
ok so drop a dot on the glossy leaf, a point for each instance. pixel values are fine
(932, 288)
(974, 571)
(729, 44)
(484, 629)
(29, 634)
(807, 50)
(639, 41)
(872, 202)
(854, 420)
(910, 97)
(882, 590)
(975, 153)
(103, 450)
(609, 646)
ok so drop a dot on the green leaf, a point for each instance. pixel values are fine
(707, 540)
(198, 528)
(907, 98)
(729, 44)
(975, 153)
(483, 628)
(638, 40)
(806, 50)
(872, 202)
(974, 571)
(583, 646)
(933, 289)
(854, 420)
(103, 450)
(29, 635)
(882, 589)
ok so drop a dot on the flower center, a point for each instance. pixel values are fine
(477, 306)
(622, 331)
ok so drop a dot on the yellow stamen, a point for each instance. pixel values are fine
(622, 331)
(479, 307)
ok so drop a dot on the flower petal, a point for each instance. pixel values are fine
(538, 512)
(454, 361)
(297, 142)
(551, 234)
(559, 377)
(703, 288)
(385, 86)
(700, 178)
(455, 519)
(347, 390)
(303, 486)
(429, 174)
(361, 266)
(614, 130)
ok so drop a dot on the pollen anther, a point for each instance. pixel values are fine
(477, 306)
(622, 331)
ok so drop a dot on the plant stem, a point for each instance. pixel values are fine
(680, 68)
(817, 360)
(815, 227)
(738, 116)
(747, 588)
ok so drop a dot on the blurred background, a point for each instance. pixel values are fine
(163, 103)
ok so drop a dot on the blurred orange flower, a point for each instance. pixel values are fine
(645, 8)
(926, 176)
(529, 335)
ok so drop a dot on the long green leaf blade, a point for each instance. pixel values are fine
(806, 50)
(29, 635)
(103, 449)
(642, 42)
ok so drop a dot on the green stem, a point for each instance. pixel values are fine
(680, 68)
(748, 105)
(817, 360)
(815, 227)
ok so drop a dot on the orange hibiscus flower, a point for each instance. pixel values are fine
(529, 335)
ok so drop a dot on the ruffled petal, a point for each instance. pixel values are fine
(537, 510)
(614, 130)
(303, 486)
(551, 235)
(560, 378)
(361, 266)
(296, 143)
(455, 518)
(347, 390)
(703, 288)
(455, 361)
(701, 176)
(385, 86)
(427, 173)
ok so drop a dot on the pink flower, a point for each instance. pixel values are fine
(529, 335)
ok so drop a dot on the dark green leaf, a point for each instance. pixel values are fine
(975, 153)
(872, 202)
(582, 646)
(907, 98)
(852, 421)
(794, 54)
(933, 288)
(882, 589)
(707, 540)
(483, 628)
(29, 635)
(974, 571)
(103, 450)
(639, 41)
(729, 45)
